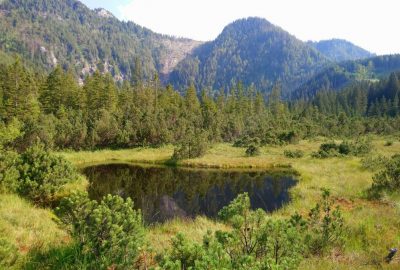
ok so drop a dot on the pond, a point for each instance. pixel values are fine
(167, 192)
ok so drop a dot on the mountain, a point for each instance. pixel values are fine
(339, 50)
(48, 33)
(336, 77)
(251, 51)
(65, 32)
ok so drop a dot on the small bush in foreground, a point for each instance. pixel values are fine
(325, 226)
(110, 233)
(293, 153)
(388, 179)
(255, 242)
(43, 175)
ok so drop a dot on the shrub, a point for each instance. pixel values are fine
(43, 175)
(388, 179)
(272, 138)
(388, 143)
(9, 173)
(358, 148)
(255, 242)
(374, 163)
(290, 137)
(325, 226)
(361, 146)
(110, 233)
(293, 153)
(252, 151)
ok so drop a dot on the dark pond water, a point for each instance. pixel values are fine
(164, 193)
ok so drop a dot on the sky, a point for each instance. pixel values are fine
(371, 24)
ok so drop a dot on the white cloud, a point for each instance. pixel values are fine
(370, 24)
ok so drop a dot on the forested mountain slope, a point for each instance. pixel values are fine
(340, 50)
(67, 33)
(252, 51)
(338, 76)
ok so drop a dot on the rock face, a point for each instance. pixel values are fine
(104, 13)
(176, 51)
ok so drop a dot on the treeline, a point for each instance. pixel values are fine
(60, 113)
(363, 99)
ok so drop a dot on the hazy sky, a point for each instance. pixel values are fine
(371, 24)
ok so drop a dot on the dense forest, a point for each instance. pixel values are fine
(60, 113)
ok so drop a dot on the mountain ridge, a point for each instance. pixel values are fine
(252, 51)
(339, 50)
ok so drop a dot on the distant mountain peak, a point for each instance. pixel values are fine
(340, 50)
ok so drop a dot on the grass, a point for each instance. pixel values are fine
(25, 228)
(372, 226)
(138, 155)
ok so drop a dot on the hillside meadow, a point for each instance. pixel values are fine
(372, 226)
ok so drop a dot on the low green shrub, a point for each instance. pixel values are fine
(374, 163)
(110, 233)
(387, 180)
(252, 151)
(293, 153)
(360, 147)
(9, 174)
(257, 241)
(388, 143)
(42, 175)
(325, 226)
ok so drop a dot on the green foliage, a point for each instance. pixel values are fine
(110, 233)
(387, 180)
(193, 146)
(246, 141)
(388, 143)
(293, 153)
(290, 137)
(252, 151)
(234, 57)
(9, 159)
(359, 147)
(42, 175)
(374, 163)
(8, 254)
(325, 226)
(9, 174)
(254, 242)
(340, 50)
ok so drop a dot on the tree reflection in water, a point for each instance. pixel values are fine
(164, 192)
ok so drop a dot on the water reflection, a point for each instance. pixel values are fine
(164, 193)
